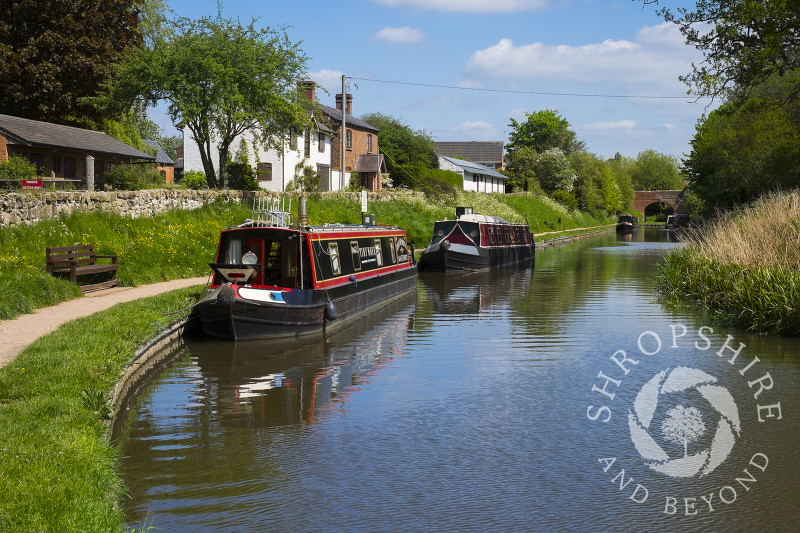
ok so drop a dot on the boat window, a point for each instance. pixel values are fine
(402, 249)
(378, 253)
(392, 251)
(356, 255)
(289, 263)
(333, 252)
(491, 235)
(440, 233)
(234, 255)
(507, 240)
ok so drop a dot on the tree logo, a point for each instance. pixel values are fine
(683, 425)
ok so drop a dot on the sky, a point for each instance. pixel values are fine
(459, 70)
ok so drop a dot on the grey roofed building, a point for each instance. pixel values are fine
(37, 134)
(161, 156)
(476, 177)
(335, 115)
(487, 153)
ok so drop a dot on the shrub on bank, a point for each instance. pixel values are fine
(744, 267)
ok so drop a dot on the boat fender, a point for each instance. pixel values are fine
(445, 245)
(330, 311)
(354, 279)
(226, 294)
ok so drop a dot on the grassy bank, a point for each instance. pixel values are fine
(744, 268)
(180, 243)
(57, 470)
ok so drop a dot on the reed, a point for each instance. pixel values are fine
(744, 268)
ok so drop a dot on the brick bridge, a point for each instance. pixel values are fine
(645, 198)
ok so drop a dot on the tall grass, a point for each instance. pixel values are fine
(744, 268)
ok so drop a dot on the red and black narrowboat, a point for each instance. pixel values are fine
(477, 242)
(274, 280)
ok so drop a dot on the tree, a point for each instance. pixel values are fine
(743, 43)
(554, 172)
(55, 55)
(683, 425)
(520, 166)
(542, 131)
(220, 80)
(401, 145)
(654, 171)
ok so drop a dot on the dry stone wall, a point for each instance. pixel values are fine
(29, 208)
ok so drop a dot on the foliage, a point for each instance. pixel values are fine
(542, 131)
(553, 171)
(241, 175)
(55, 55)
(401, 145)
(743, 43)
(744, 267)
(307, 179)
(567, 199)
(654, 171)
(741, 151)
(194, 179)
(520, 168)
(220, 79)
(133, 177)
(419, 177)
(17, 168)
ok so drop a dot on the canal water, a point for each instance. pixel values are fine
(565, 398)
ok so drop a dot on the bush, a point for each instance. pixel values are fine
(17, 168)
(306, 179)
(133, 178)
(567, 199)
(242, 177)
(194, 179)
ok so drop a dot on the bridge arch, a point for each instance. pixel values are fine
(644, 198)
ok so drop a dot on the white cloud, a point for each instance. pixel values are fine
(404, 35)
(468, 6)
(602, 126)
(474, 126)
(329, 79)
(656, 56)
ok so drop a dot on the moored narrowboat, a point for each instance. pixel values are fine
(474, 242)
(627, 223)
(274, 280)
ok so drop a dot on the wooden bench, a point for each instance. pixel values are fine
(80, 260)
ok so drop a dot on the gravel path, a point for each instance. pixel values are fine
(18, 333)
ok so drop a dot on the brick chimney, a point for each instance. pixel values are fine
(308, 90)
(348, 105)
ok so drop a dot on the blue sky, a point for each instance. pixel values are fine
(465, 67)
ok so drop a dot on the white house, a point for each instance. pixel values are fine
(477, 177)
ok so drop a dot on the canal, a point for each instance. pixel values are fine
(565, 398)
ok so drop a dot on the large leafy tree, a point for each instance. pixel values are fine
(402, 145)
(654, 171)
(220, 79)
(55, 55)
(542, 131)
(743, 43)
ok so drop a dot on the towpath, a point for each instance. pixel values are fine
(19, 332)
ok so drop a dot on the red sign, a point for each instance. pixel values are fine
(32, 185)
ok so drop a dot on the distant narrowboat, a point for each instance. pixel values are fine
(627, 223)
(275, 280)
(477, 242)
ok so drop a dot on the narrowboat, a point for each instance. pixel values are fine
(272, 279)
(627, 223)
(474, 242)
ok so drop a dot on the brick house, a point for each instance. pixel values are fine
(164, 163)
(61, 151)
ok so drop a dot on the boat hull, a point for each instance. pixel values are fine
(304, 312)
(461, 257)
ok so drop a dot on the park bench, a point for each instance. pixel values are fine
(81, 260)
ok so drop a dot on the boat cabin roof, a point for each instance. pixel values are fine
(482, 218)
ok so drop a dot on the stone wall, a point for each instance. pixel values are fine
(31, 207)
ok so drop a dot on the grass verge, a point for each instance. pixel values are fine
(57, 469)
(744, 268)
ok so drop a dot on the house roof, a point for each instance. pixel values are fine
(335, 116)
(482, 152)
(370, 163)
(161, 156)
(474, 168)
(23, 131)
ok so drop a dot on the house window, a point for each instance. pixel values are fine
(369, 144)
(38, 160)
(264, 172)
(321, 142)
(307, 142)
(69, 168)
(56, 164)
(99, 168)
(349, 140)
(292, 138)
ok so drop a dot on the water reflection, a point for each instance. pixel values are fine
(463, 409)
